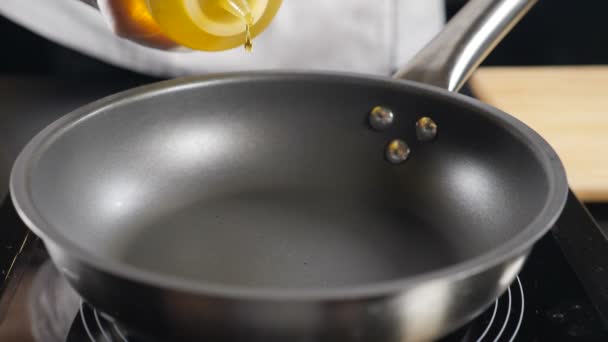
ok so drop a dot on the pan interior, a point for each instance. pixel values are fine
(280, 183)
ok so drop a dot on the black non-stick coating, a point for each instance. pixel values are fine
(279, 182)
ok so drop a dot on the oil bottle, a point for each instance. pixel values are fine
(209, 25)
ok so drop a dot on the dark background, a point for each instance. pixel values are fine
(554, 32)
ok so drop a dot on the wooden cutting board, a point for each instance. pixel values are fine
(568, 106)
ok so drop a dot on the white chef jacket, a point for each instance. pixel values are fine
(364, 36)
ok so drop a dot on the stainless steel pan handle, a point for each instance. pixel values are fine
(450, 58)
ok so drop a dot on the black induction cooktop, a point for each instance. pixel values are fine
(561, 294)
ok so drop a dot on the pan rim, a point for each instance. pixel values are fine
(515, 247)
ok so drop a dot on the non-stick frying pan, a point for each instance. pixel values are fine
(268, 207)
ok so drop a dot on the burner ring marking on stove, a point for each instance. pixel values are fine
(506, 322)
(101, 328)
(511, 299)
(521, 311)
(487, 329)
(119, 332)
(84, 323)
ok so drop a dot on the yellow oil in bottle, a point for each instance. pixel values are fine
(213, 25)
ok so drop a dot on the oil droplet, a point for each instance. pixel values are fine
(397, 151)
(426, 129)
(248, 44)
(381, 118)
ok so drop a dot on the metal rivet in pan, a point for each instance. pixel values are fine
(381, 117)
(426, 129)
(397, 151)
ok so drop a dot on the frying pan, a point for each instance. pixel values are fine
(275, 207)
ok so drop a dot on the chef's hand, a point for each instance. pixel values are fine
(130, 19)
